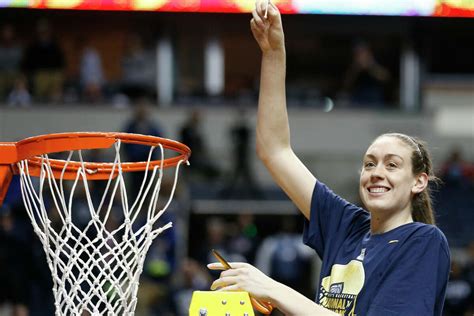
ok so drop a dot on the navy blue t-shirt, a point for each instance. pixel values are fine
(401, 272)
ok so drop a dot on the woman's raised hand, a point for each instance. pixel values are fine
(268, 31)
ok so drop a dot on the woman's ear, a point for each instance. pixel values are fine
(421, 182)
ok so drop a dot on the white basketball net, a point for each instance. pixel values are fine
(98, 274)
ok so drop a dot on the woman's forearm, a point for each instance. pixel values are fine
(292, 303)
(273, 132)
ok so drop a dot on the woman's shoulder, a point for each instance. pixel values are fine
(426, 230)
(429, 234)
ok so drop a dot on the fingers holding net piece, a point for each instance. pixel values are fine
(266, 27)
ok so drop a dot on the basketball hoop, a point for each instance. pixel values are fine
(95, 269)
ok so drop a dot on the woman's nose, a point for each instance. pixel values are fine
(377, 172)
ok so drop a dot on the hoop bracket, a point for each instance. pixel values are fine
(8, 153)
(6, 175)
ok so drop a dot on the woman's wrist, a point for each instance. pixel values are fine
(276, 293)
(274, 53)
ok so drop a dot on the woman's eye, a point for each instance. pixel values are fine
(369, 164)
(392, 165)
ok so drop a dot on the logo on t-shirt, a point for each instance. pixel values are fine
(336, 288)
(340, 289)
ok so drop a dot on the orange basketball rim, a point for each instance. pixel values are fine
(32, 148)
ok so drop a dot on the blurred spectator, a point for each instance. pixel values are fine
(44, 62)
(15, 258)
(10, 60)
(455, 200)
(241, 182)
(244, 240)
(159, 267)
(366, 79)
(42, 299)
(81, 215)
(92, 75)
(217, 234)
(456, 169)
(459, 293)
(191, 135)
(138, 69)
(284, 258)
(161, 258)
(141, 123)
(216, 238)
(19, 95)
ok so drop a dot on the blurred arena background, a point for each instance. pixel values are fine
(189, 70)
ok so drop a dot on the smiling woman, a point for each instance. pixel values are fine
(394, 180)
(411, 158)
(386, 259)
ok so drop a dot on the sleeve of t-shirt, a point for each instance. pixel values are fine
(332, 220)
(416, 278)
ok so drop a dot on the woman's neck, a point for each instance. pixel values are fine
(383, 222)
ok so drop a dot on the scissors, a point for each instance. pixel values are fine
(263, 307)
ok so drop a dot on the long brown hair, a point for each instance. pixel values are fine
(421, 204)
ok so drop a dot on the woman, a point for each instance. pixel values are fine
(388, 260)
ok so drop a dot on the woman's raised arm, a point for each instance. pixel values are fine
(273, 131)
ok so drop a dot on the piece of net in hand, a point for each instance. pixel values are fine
(95, 266)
